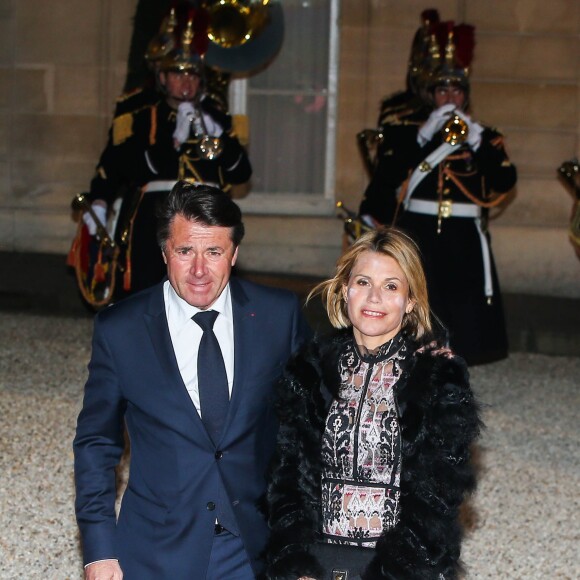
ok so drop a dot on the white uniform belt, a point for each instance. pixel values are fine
(461, 210)
(452, 208)
(167, 185)
(153, 186)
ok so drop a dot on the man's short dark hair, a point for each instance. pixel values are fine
(203, 204)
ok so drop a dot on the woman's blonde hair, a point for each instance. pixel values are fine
(390, 242)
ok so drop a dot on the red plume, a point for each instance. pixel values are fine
(200, 26)
(441, 31)
(464, 44)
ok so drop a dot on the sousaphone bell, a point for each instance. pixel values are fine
(244, 35)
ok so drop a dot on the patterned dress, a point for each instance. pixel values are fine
(361, 447)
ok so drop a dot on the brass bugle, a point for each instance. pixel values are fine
(209, 147)
(455, 131)
(80, 202)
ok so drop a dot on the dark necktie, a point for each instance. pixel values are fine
(212, 379)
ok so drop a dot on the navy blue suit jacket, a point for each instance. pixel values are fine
(166, 523)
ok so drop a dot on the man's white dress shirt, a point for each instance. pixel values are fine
(186, 336)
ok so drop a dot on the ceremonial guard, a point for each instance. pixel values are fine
(408, 107)
(183, 134)
(448, 172)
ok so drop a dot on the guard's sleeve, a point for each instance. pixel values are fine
(234, 162)
(122, 164)
(493, 162)
(397, 156)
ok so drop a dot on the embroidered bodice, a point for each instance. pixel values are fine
(361, 447)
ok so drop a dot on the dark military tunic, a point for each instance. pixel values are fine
(403, 106)
(454, 256)
(141, 150)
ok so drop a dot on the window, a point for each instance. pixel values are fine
(292, 109)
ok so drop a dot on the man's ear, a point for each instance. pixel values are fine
(162, 78)
(164, 256)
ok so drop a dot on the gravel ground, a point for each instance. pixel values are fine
(522, 522)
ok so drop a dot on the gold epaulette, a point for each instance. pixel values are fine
(398, 121)
(241, 129)
(392, 119)
(122, 128)
(129, 94)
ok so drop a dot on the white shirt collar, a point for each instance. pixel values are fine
(179, 312)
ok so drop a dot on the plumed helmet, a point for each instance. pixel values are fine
(164, 41)
(190, 46)
(451, 55)
(419, 57)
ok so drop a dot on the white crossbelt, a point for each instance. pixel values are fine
(425, 167)
(167, 185)
(461, 210)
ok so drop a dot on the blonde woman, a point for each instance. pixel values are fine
(376, 424)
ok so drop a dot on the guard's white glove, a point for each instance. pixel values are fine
(212, 127)
(100, 212)
(474, 130)
(190, 119)
(186, 114)
(369, 220)
(434, 123)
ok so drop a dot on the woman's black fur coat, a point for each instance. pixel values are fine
(439, 420)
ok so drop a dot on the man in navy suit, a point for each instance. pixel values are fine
(192, 507)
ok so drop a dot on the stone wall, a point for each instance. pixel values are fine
(62, 64)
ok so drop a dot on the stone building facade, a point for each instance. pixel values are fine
(62, 64)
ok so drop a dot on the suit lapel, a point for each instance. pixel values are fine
(158, 329)
(244, 325)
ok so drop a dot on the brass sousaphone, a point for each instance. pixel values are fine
(244, 37)
(95, 259)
